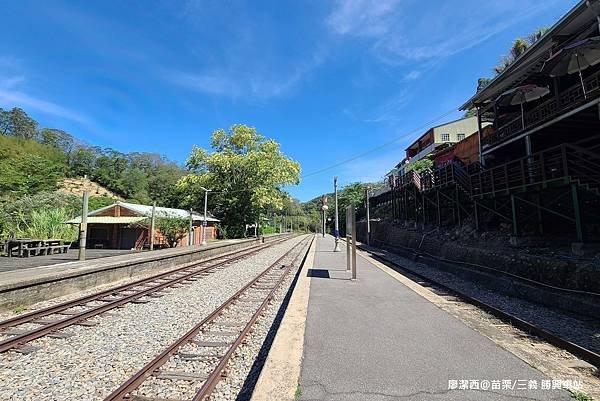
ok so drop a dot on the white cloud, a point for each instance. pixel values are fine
(361, 17)
(10, 82)
(257, 82)
(434, 31)
(413, 75)
(9, 98)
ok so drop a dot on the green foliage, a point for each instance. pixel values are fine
(49, 223)
(18, 124)
(39, 216)
(173, 229)
(29, 167)
(420, 165)
(245, 170)
(519, 46)
(97, 202)
(579, 396)
(33, 161)
(351, 194)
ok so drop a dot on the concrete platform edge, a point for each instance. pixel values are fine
(278, 380)
(29, 286)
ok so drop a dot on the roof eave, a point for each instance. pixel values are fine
(473, 101)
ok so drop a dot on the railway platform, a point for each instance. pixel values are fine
(375, 339)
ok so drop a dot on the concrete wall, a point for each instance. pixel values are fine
(28, 286)
(563, 273)
(466, 126)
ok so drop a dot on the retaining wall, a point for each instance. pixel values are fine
(567, 273)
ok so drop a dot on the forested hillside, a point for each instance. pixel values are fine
(34, 161)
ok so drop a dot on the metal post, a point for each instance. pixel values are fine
(152, 226)
(205, 221)
(191, 230)
(368, 217)
(348, 239)
(513, 206)
(577, 211)
(479, 135)
(83, 225)
(353, 214)
(476, 213)
(336, 231)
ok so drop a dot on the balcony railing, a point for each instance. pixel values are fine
(551, 108)
(572, 161)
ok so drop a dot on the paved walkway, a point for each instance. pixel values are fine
(72, 255)
(376, 340)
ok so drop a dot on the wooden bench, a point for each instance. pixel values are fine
(34, 251)
(58, 248)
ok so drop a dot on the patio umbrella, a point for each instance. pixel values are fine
(521, 95)
(574, 57)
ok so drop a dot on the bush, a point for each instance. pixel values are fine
(420, 165)
(17, 217)
(173, 229)
(49, 223)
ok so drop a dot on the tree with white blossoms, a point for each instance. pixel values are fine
(245, 171)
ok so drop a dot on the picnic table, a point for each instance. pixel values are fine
(25, 247)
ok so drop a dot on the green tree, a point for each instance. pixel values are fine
(519, 46)
(29, 167)
(173, 229)
(245, 170)
(420, 165)
(21, 125)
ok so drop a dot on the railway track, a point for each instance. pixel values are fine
(201, 355)
(447, 291)
(50, 321)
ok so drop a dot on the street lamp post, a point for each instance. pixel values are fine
(205, 222)
(336, 231)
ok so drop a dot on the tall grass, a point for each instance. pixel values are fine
(48, 223)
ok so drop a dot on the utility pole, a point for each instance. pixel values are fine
(368, 217)
(152, 226)
(205, 221)
(336, 231)
(191, 230)
(83, 225)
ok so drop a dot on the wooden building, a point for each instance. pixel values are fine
(537, 165)
(127, 226)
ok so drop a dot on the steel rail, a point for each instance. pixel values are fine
(216, 375)
(582, 352)
(124, 391)
(43, 330)
(27, 317)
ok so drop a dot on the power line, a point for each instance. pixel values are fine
(383, 145)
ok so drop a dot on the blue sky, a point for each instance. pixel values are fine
(327, 79)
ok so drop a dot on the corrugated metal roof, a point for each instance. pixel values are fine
(160, 211)
(108, 220)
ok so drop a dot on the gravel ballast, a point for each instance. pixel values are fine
(96, 360)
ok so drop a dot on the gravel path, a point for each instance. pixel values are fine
(96, 360)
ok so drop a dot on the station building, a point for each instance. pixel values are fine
(127, 226)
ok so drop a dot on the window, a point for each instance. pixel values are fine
(460, 137)
(445, 137)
